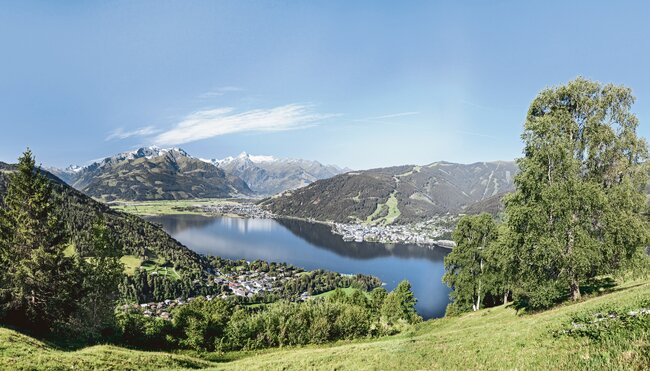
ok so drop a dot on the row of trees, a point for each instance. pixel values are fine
(577, 211)
(223, 325)
(43, 288)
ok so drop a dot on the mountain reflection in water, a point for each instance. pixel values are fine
(314, 246)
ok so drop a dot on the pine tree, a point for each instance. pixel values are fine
(41, 283)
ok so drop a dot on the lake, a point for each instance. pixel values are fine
(313, 246)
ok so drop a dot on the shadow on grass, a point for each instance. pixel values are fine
(594, 287)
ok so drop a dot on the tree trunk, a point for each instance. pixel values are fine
(575, 289)
(505, 297)
(574, 286)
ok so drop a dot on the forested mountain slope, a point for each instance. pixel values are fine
(400, 194)
(137, 236)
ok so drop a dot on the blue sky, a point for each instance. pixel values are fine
(355, 83)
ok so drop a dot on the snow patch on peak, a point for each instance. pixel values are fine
(258, 159)
(74, 168)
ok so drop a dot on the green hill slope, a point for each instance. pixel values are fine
(409, 193)
(489, 339)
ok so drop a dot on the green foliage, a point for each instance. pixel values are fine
(218, 325)
(468, 270)
(377, 297)
(45, 290)
(40, 288)
(399, 304)
(101, 272)
(143, 332)
(200, 323)
(576, 211)
(613, 329)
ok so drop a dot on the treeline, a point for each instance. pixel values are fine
(578, 211)
(319, 281)
(143, 287)
(222, 325)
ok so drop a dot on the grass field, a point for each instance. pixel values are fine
(166, 207)
(392, 212)
(153, 264)
(495, 338)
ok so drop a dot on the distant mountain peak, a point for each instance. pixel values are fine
(264, 174)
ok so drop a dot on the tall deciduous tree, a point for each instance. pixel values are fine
(576, 211)
(466, 269)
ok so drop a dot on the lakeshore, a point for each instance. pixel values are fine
(432, 232)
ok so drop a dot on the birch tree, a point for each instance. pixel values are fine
(576, 211)
(466, 270)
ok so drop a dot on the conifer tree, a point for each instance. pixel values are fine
(41, 283)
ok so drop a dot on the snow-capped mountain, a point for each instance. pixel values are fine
(153, 173)
(268, 175)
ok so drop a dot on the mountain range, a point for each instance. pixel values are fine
(153, 173)
(400, 194)
(268, 175)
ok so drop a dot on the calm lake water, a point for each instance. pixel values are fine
(313, 246)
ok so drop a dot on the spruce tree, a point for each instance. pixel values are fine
(41, 283)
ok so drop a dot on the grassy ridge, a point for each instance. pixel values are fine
(489, 339)
(19, 351)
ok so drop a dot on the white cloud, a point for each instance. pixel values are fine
(121, 134)
(221, 121)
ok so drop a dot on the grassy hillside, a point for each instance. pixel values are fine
(18, 351)
(489, 339)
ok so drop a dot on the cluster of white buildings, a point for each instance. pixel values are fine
(424, 233)
(243, 210)
(251, 284)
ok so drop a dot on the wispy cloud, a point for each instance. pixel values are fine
(221, 121)
(120, 133)
(220, 91)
